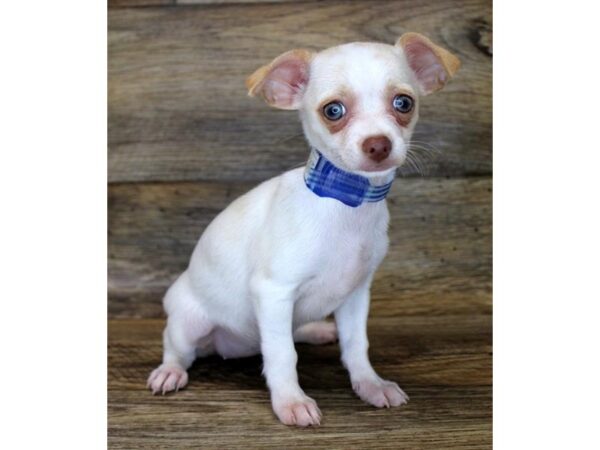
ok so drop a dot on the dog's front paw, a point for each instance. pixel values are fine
(380, 393)
(167, 378)
(301, 411)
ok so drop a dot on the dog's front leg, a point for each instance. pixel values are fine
(274, 312)
(351, 319)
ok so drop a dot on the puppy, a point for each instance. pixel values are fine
(306, 244)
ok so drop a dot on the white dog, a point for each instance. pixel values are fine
(306, 244)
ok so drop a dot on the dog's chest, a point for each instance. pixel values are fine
(338, 269)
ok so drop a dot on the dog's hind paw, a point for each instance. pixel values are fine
(166, 379)
(316, 333)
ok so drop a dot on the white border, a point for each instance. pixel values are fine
(53, 236)
(53, 239)
(546, 225)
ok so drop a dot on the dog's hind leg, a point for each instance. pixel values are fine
(188, 330)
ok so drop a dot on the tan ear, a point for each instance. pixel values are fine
(432, 65)
(282, 82)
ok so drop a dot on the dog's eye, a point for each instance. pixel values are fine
(334, 110)
(403, 103)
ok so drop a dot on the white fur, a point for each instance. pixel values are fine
(279, 259)
(366, 70)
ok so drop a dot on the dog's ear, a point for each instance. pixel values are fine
(282, 82)
(432, 65)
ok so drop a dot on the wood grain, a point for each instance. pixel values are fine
(439, 261)
(136, 3)
(444, 363)
(178, 109)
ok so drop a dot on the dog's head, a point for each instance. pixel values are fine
(358, 102)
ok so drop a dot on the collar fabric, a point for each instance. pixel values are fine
(327, 180)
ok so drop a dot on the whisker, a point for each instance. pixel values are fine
(412, 162)
(423, 157)
(422, 154)
(418, 161)
(420, 164)
(409, 165)
(427, 146)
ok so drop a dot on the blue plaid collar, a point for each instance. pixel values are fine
(327, 180)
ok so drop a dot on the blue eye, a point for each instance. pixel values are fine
(334, 110)
(403, 103)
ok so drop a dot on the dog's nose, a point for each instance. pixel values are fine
(377, 148)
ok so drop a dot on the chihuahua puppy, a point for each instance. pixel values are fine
(306, 244)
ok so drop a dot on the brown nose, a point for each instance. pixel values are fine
(377, 148)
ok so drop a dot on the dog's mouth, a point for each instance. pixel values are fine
(379, 167)
(366, 166)
(382, 166)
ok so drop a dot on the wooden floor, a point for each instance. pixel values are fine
(430, 329)
(185, 140)
(443, 363)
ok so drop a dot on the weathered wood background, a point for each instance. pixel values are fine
(184, 140)
(178, 108)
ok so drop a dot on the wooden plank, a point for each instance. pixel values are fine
(444, 363)
(420, 350)
(439, 262)
(137, 3)
(436, 418)
(219, 2)
(178, 109)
